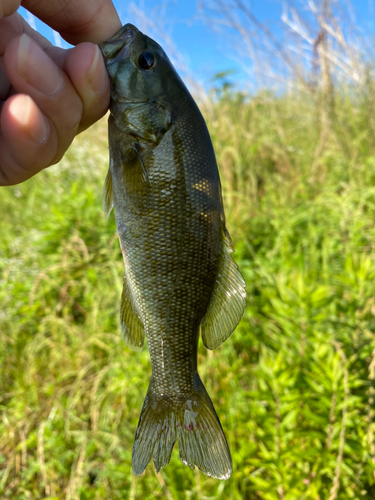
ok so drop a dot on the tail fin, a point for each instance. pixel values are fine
(193, 422)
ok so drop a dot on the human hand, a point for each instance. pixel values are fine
(48, 94)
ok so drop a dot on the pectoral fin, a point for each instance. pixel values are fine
(227, 301)
(144, 169)
(107, 195)
(132, 328)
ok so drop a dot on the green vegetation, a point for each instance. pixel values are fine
(293, 385)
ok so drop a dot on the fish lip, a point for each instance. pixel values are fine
(126, 32)
(118, 46)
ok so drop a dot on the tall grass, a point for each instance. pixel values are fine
(293, 385)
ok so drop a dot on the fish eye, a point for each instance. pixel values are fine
(146, 60)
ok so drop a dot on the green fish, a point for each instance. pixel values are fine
(180, 279)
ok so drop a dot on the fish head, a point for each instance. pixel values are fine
(140, 73)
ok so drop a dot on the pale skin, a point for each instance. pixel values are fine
(48, 94)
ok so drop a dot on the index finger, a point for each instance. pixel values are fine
(76, 20)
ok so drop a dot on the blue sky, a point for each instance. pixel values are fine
(196, 44)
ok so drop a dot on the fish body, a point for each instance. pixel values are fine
(180, 280)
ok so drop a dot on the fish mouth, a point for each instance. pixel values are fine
(119, 45)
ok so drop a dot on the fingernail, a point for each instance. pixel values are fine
(97, 76)
(32, 121)
(37, 68)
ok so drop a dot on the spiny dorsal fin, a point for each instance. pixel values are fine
(227, 302)
(108, 195)
(132, 328)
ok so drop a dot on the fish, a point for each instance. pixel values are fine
(180, 280)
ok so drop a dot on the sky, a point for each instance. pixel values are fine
(194, 44)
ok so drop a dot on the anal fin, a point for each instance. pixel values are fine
(132, 328)
(227, 302)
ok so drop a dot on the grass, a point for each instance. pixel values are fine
(293, 385)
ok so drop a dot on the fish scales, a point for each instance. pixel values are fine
(179, 279)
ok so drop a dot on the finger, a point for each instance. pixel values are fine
(15, 25)
(8, 7)
(27, 144)
(31, 71)
(86, 70)
(11, 27)
(78, 20)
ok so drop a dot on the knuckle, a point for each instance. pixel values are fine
(8, 7)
